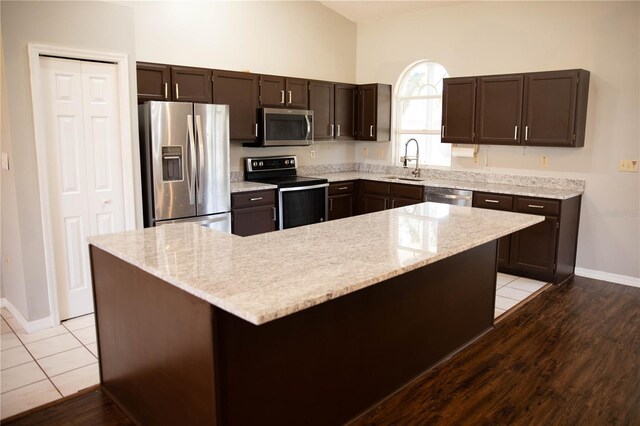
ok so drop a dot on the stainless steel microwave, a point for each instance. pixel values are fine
(286, 127)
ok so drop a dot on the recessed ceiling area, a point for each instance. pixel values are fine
(370, 11)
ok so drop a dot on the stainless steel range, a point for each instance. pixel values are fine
(301, 200)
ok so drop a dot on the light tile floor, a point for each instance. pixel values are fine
(44, 366)
(41, 367)
(511, 290)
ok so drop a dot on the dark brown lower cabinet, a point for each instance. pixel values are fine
(401, 202)
(374, 203)
(545, 251)
(341, 200)
(253, 212)
(377, 196)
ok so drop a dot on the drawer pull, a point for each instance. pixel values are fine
(330, 204)
(342, 188)
(274, 214)
(255, 199)
(492, 201)
(536, 206)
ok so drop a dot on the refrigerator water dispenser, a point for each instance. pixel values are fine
(172, 163)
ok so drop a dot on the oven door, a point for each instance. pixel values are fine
(282, 127)
(303, 205)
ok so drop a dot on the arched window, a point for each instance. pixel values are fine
(419, 113)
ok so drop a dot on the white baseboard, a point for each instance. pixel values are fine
(608, 276)
(28, 326)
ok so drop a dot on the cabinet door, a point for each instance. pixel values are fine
(374, 203)
(401, 202)
(550, 108)
(458, 110)
(272, 91)
(499, 110)
(321, 103)
(504, 248)
(253, 220)
(154, 82)
(239, 90)
(367, 99)
(340, 206)
(345, 111)
(297, 93)
(533, 249)
(191, 84)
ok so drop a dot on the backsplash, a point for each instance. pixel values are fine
(500, 178)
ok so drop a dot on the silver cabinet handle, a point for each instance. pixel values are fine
(342, 188)
(515, 133)
(282, 97)
(331, 130)
(371, 131)
(330, 204)
(385, 203)
(255, 199)
(290, 97)
(492, 201)
(166, 90)
(536, 206)
(177, 92)
(274, 214)
(256, 129)
(337, 130)
(442, 132)
(526, 133)
(393, 203)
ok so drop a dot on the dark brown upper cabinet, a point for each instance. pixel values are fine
(499, 110)
(374, 112)
(239, 90)
(191, 84)
(555, 108)
(345, 111)
(283, 92)
(154, 82)
(458, 110)
(321, 102)
(533, 109)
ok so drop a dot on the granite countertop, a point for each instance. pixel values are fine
(246, 186)
(527, 191)
(268, 276)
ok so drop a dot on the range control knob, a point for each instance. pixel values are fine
(291, 161)
(286, 162)
(254, 164)
(261, 164)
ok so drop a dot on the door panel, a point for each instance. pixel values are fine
(84, 169)
(154, 82)
(212, 136)
(533, 249)
(458, 110)
(272, 91)
(367, 112)
(297, 93)
(345, 111)
(239, 91)
(191, 84)
(375, 203)
(321, 103)
(340, 206)
(499, 110)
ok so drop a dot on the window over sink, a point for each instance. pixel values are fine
(419, 113)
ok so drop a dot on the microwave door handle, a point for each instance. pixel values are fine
(306, 117)
(201, 159)
(191, 156)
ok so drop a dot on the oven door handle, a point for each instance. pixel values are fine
(304, 188)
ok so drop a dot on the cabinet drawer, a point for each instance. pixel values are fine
(414, 192)
(541, 206)
(371, 187)
(487, 200)
(251, 199)
(341, 188)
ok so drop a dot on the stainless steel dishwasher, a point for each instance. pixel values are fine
(458, 197)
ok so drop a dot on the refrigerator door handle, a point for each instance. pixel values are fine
(201, 159)
(192, 157)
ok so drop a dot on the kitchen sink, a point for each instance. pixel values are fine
(403, 178)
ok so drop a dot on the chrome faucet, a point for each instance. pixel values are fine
(416, 171)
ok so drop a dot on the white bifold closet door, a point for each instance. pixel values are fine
(84, 163)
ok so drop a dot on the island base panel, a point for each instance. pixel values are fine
(155, 345)
(327, 364)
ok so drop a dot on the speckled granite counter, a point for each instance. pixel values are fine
(528, 191)
(246, 186)
(269, 276)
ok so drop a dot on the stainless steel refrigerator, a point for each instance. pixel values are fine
(185, 164)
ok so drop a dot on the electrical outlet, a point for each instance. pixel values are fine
(365, 152)
(381, 153)
(312, 154)
(5, 161)
(544, 161)
(628, 166)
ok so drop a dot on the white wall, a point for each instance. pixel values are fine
(476, 38)
(88, 25)
(295, 39)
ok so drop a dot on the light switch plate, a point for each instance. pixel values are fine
(628, 166)
(5, 161)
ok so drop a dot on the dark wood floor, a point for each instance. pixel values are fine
(570, 356)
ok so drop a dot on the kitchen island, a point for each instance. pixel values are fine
(309, 325)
